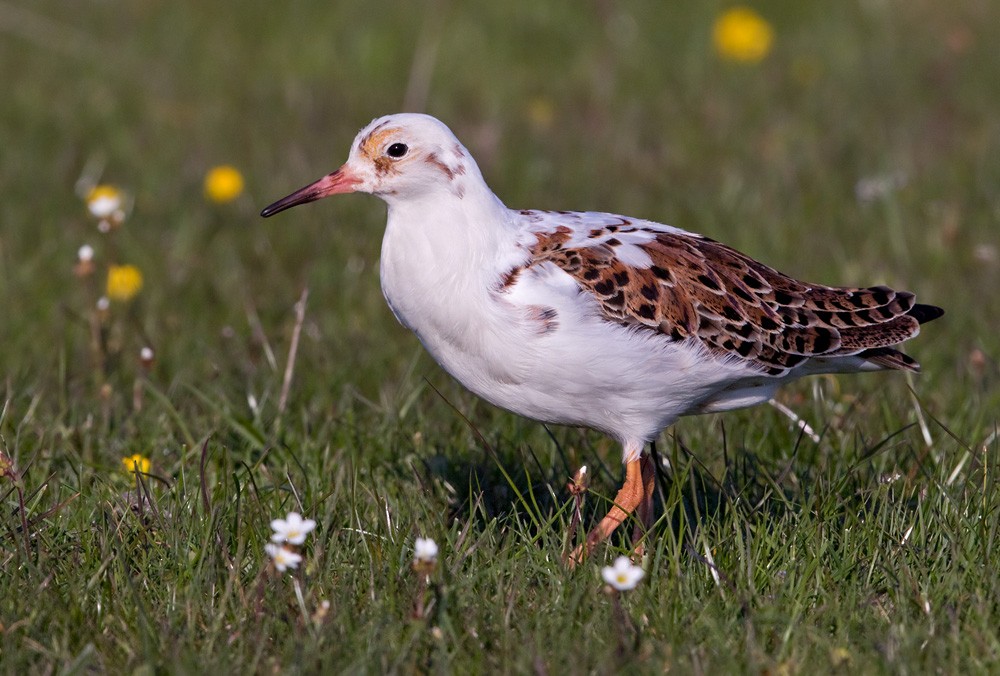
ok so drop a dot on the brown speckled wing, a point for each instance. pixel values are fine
(699, 289)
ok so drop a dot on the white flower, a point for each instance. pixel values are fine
(105, 201)
(103, 304)
(292, 529)
(85, 254)
(283, 558)
(146, 354)
(623, 575)
(425, 550)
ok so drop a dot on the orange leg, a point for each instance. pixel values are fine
(645, 508)
(633, 494)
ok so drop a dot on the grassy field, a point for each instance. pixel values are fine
(864, 149)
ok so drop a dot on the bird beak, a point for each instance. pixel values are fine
(341, 181)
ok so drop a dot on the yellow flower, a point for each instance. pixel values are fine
(541, 112)
(136, 461)
(223, 184)
(124, 282)
(741, 34)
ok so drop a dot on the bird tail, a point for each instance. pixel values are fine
(887, 357)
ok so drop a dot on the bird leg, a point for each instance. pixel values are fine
(645, 508)
(633, 493)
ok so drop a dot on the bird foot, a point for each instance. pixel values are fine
(575, 557)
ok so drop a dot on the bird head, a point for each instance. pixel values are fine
(397, 157)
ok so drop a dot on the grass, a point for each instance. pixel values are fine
(871, 550)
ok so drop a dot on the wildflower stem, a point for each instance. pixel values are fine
(300, 315)
(8, 470)
(418, 601)
(623, 626)
(301, 601)
(258, 602)
(24, 517)
(137, 391)
(577, 488)
(617, 619)
(206, 502)
(98, 338)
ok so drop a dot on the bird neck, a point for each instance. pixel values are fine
(464, 221)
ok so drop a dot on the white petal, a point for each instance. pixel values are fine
(283, 559)
(425, 549)
(102, 207)
(608, 573)
(623, 575)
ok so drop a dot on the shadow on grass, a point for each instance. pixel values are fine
(509, 483)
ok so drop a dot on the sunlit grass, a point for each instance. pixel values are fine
(863, 149)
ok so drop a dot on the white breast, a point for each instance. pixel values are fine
(540, 348)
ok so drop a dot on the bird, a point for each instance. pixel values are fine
(591, 319)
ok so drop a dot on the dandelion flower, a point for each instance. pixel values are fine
(105, 201)
(624, 575)
(223, 184)
(283, 558)
(136, 462)
(425, 550)
(741, 34)
(292, 529)
(124, 282)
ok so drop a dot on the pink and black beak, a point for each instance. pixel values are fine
(340, 181)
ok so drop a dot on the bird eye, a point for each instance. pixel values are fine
(396, 150)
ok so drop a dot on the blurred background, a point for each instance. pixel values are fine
(147, 315)
(844, 143)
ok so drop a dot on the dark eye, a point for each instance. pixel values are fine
(396, 150)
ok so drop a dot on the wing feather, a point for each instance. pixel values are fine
(697, 289)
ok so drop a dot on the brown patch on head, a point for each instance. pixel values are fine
(436, 161)
(383, 165)
(372, 143)
(371, 147)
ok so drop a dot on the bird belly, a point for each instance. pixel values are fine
(584, 371)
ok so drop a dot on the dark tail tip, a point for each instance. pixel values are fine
(925, 313)
(888, 358)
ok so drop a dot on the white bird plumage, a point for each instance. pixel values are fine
(593, 319)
